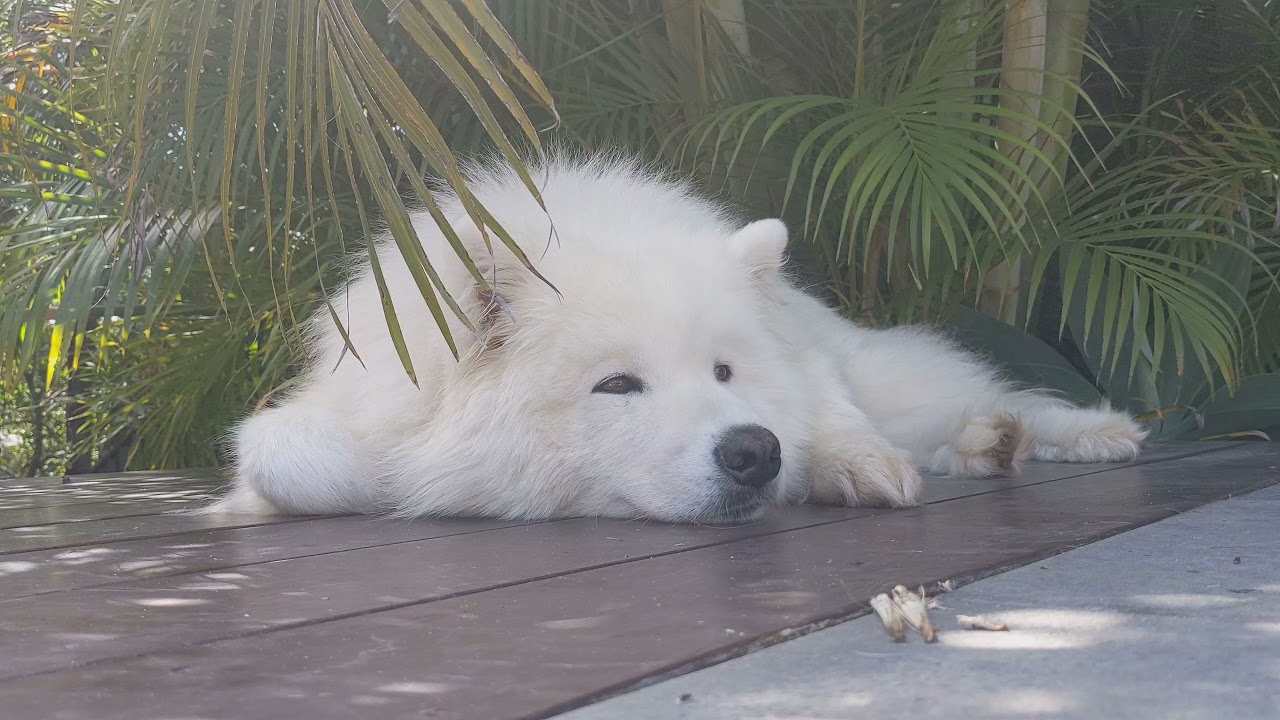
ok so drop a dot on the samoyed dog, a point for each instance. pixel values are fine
(667, 368)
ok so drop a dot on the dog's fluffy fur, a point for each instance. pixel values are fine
(652, 281)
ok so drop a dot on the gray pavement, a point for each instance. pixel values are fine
(1161, 622)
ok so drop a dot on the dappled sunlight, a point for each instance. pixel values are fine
(212, 585)
(414, 688)
(370, 700)
(1062, 619)
(164, 602)
(175, 496)
(13, 567)
(583, 623)
(35, 531)
(1271, 628)
(132, 565)
(1187, 601)
(86, 555)
(85, 637)
(1045, 629)
(1022, 640)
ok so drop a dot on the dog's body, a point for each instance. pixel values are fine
(672, 372)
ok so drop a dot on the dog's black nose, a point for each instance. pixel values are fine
(750, 455)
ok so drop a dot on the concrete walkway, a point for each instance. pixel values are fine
(1180, 619)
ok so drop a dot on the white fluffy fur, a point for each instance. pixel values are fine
(654, 281)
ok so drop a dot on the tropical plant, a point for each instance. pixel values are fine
(144, 139)
(181, 179)
(931, 154)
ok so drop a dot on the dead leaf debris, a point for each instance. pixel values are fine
(977, 622)
(902, 608)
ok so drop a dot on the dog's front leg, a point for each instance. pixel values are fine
(852, 464)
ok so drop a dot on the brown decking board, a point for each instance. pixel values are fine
(96, 478)
(93, 532)
(212, 550)
(120, 491)
(351, 617)
(147, 504)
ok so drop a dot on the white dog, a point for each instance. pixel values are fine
(672, 372)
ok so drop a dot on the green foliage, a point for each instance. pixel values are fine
(145, 140)
(181, 179)
(32, 429)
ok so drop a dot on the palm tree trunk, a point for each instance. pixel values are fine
(962, 14)
(1025, 27)
(688, 39)
(732, 18)
(1043, 56)
(683, 20)
(1064, 59)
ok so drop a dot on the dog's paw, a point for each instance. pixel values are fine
(869, 475)
(887, 477)
(988, 447)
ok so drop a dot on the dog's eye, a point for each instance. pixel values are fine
(723, 372)
(620, 384)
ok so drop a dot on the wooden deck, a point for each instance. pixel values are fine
(111, 606)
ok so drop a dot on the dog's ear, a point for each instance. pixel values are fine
(761, 246)
(491, 310)
(488, 303)
(497, 321)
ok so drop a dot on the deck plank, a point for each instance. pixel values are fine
(118, 491)
(146, 504)
(97, 532)
(95, 478)
(12, 486)
(111, 563)
(528, 647)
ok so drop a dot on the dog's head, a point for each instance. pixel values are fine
(645, 379)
